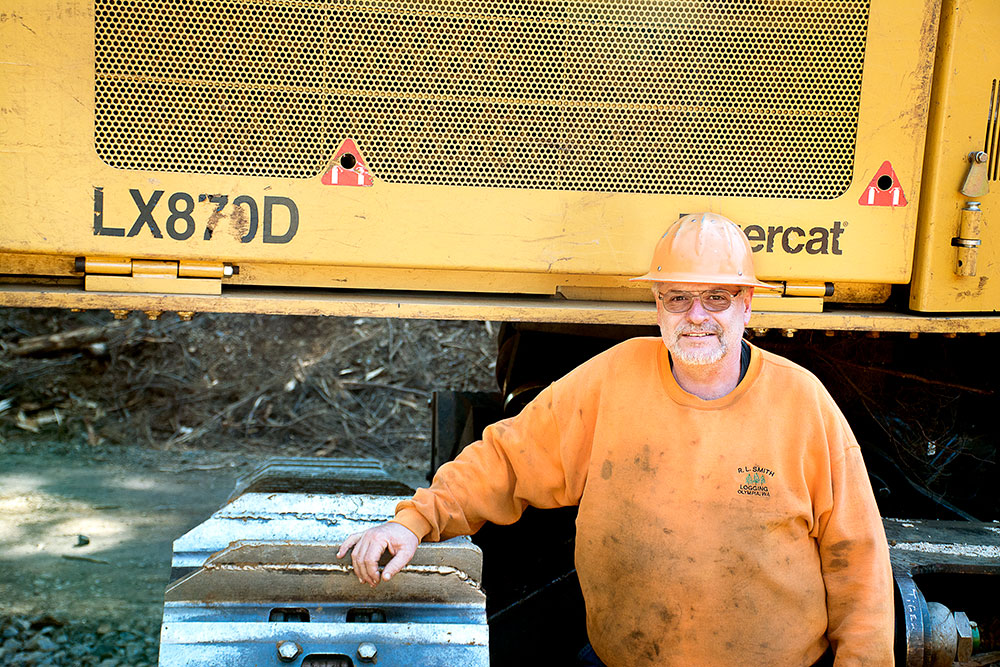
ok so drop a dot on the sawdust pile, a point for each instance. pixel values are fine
(305, 386)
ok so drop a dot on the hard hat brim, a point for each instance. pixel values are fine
(695, 279)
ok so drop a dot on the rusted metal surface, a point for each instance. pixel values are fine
(924, 546)
(310, 571)
(262, 577)
(269, 583)
(962, 550)
(311, 475)
(282, 518)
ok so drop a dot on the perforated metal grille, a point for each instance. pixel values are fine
(739, 98)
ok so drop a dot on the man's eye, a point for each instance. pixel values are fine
(716, 298)
(678, 298)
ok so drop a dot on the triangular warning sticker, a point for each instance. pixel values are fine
(348, 167)
(884, 189)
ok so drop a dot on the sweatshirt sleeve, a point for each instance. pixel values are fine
(854, 557)
(538, 458)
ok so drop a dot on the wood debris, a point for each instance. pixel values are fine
(281, 385)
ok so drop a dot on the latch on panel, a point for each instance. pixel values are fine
(109, 274)
(976, 183)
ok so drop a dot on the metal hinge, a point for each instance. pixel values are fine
(113, 274)
(967, 242)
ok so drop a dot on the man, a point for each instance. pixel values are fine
(725, 514)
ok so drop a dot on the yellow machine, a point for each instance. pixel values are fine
(516, 161)
(497, 160)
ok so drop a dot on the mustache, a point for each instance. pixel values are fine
(706, 328)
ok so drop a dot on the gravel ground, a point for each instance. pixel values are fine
(43, 640)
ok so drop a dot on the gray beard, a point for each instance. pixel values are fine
(699, 357)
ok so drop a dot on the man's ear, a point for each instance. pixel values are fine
(747, 298)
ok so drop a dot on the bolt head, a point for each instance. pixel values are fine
(980, 157)
(288, 650)
(367, 651)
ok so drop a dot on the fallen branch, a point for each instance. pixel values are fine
(912, 376)
(349, 384)
(64, 340)
(86, 559)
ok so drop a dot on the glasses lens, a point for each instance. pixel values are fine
(677, 302)
(714, 301)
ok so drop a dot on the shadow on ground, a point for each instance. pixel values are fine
(128, 515)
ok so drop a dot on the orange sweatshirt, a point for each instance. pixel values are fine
(736, 531)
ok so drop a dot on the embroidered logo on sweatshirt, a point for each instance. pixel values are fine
(753, 481)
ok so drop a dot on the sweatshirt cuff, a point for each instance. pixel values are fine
(414, 521)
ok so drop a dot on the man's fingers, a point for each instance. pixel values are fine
(358, 556)
(348, 543)
(373, 548)
(367, 548)
(403, 556)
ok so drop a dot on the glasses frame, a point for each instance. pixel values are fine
(708, 306)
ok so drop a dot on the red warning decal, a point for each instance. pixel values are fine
(348, 167)
(884, 189)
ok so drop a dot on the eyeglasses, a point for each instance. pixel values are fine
(713, 300)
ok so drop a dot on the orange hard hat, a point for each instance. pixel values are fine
(704, 248)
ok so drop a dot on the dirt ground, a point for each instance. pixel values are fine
(136, 431)
(127, 512)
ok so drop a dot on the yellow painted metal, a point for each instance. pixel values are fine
(145, 268)
(373, 303)
(583, 288)
(55, 181)
(438, 280)
(623, 293)
(965, 91)
(787, 304)
(112, 266)
(18, 264)
(586, 288)
(806, 289)
(151, 276)
(189, 269)
(108, 274)
(152, 284)
(571, 244)
(860, 293)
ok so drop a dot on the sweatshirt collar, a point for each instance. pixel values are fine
(678, 395)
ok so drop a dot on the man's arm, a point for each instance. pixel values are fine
(854, 557)
(538, 458)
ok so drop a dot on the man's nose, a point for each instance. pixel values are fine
(697, 312)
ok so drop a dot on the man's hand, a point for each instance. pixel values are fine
(369, 546)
